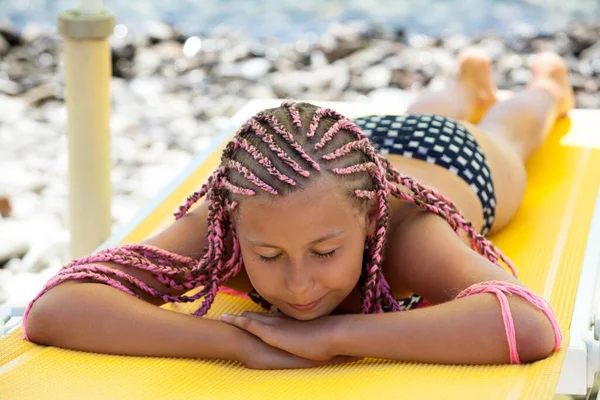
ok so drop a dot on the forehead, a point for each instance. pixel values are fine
(301, 215)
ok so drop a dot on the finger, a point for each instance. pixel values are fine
(262, 317)
(340, 360)
(253, 326)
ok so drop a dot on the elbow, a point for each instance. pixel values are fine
(535, 339)
(36, 324)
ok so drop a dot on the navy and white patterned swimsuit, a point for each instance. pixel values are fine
(437, 140)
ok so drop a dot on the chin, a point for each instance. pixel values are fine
(306, 316)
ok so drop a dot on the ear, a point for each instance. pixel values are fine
(371, 216)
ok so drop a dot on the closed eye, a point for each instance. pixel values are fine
(269, 259)
(324, 255)
(316, 254)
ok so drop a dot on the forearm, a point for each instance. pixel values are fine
(98, 318)
(464, 331)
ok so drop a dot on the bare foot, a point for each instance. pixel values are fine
(549, 71)
(474, 80)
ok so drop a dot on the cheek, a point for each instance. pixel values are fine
(343, 273)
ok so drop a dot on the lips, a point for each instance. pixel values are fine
(306, 307)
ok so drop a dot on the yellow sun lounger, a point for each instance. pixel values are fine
(553, 241)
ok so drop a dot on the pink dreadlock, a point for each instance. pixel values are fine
(274, 154)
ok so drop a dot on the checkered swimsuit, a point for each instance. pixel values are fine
(436, 140)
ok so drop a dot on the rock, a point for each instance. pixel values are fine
(159, 31)
(34, 97)
(341, 76)
(43, 252)
(392, 96)
(587, 100)
(365, 58)
(519, 76)
(13, 108)
(9, 33)
(580, 37)
(377, 76)
(456, 43)
(123, 60)
(591, 52)
(4, 46)
(493, 47)
(10, 87)
(14, 240)
(338, 44)
(32, 31)
(146, 62)
(5, 207)
(318, 59)
(259, 92)
(255, 68)
(288, 84)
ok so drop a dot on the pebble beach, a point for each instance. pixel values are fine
(173, 91)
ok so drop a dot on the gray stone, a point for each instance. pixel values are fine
(255, 68)
(4, 46)
(519, 76)
(587, 100)
(377, 76)
(9, 87)
(14, 239)
(259, 92)
(392, 96)
(13, 108)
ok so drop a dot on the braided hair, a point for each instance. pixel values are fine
(274, 153)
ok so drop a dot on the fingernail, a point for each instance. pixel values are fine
(225, 317)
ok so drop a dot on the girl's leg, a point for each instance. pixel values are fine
(466, 98)
(512, 130)
(525, 120)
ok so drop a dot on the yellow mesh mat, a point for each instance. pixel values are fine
(546, 241)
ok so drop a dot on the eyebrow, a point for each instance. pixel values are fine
(319, 240)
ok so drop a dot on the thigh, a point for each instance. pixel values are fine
(508, 175)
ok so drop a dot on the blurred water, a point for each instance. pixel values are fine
(286, 19)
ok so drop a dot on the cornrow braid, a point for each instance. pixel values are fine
(255, 162)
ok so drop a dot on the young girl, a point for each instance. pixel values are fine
(336, 226)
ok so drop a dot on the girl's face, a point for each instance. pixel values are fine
(303, 251)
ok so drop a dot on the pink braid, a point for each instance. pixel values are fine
(264, 161)
(236, 189)
(291, 106)
(274, 124)
(191, 200)
(221, 223)
(501, 289)
(327, 136)
(319, 114)
(373, 286)
(246, 173)
(361, 144)
(267, 138)
(353, 169)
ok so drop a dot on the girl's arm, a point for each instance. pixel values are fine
(428, 258)
(98, 318)
(94, 317)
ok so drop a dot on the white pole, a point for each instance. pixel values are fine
(87, 78)
(90, 6)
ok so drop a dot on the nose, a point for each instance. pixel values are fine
(299, 279)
